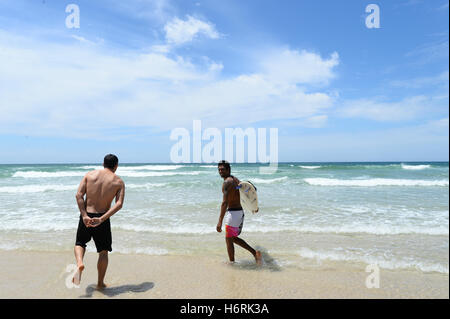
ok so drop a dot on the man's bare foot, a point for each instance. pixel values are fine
(258, 258)
(101, 286)
(77, 276)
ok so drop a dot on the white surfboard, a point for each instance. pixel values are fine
(249, 197)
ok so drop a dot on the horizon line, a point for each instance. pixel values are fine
(205, 163)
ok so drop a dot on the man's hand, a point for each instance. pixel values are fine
(219, 227)
(87, 221)
(96, 221)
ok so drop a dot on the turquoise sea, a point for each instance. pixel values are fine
(395, 214)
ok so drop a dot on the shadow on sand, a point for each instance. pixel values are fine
(268, 262)
(114, 291)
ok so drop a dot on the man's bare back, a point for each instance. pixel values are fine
(101, 188)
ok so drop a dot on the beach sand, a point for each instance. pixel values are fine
(44, 275)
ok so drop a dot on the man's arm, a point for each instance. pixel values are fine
(81, 202)
(224, 206)
(120, 195)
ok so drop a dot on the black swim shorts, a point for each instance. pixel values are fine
(101, 234)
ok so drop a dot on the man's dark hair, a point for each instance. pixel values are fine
(224, 164)
(110, 161)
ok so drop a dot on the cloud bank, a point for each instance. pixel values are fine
(79, 88)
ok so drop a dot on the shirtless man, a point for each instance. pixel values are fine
(233, 214)
(100, 188)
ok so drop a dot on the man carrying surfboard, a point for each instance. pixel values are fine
(231, 212)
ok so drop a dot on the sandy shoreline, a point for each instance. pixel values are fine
(44, 275)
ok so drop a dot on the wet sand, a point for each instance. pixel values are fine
(46, 274)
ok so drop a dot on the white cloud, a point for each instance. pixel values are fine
(430, 52)
(182, 31)
(299, 67)
(82, 90)
(407, 109)
(417, 83)
(216, 67)
(317, 121)
(160, 48)
(438, 126)
(81, 39)
(86, 41)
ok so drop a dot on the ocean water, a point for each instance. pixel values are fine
(394, 215)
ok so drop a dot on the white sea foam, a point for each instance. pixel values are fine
(46, 225)
(268, 181)
(194, 228)
(39, 174)
(34, 221)
(9, 246)
(201, 229)
(382, 262)
(154, 174)
(90, 167)
(351, 229)
(310, 167)
(137, 168)
(143, 250)
(374, 182)
(150, 167)
(36, 225)
(179, 229)
(146, 185)
(36, 188)
(415, 167)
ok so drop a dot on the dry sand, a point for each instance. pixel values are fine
(44, 275)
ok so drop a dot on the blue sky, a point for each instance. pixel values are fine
(135, 70)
